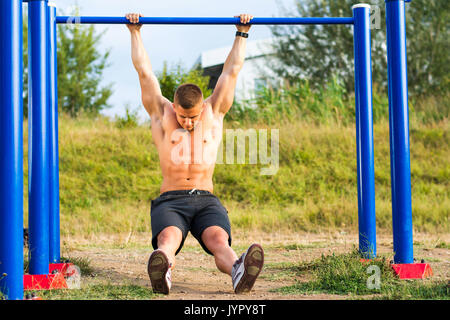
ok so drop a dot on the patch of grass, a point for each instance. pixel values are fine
(443, 245)
(130, 120)
(344, 274)
(100, 292)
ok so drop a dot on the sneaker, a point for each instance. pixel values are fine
(247, 268)
(159, 271)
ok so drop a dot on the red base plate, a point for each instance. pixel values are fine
(56, 279)
(412, 270)
(408, 270)
(44, 281)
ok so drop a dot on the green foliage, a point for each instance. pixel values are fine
(319, 52)
(80, 71)
(431, 109)
(329, 103)
(130, 120)
(428, 32)
(171, 78)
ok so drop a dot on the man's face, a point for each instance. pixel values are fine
(188, 118)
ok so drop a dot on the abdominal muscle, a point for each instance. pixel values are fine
(188, 159)
(188, 178)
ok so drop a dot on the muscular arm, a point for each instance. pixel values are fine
(223, 95)
(152, 98)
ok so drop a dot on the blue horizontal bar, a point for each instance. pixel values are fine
(193, 20)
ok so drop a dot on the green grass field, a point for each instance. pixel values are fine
(108, 175)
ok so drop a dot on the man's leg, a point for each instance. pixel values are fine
(216, 240)
(162, 260)
(169, 240)
(243, 271)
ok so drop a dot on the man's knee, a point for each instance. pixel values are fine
(170, 235)
(214, 238)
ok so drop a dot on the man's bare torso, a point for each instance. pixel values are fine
(187, 158)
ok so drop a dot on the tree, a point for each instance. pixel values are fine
(319, 52)
(428, 33)
(171, 79)
(80, 69)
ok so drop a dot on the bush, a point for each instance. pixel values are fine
(171, 79)
(327, 104)
(130, 120)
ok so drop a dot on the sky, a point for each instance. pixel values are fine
(172, 43)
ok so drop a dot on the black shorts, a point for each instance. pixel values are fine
(189, 210)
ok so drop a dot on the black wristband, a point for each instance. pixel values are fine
(241, 34)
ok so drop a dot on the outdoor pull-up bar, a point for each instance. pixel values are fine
(43, 180)
(43, 135)
(202, 20)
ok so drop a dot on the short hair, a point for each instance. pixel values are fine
(188, 95)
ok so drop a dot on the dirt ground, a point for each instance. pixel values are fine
(123, 260)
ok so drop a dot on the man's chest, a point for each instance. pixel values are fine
(198, 146)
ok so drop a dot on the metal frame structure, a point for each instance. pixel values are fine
(43, 132)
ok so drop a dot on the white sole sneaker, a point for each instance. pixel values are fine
(247, 269)
(159, 272)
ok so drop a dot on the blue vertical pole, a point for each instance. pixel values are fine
(11, 150)
(54, 225)
(399, 131)
(38, 159)
(364, 131)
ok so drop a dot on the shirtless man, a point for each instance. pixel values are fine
(187, 134)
